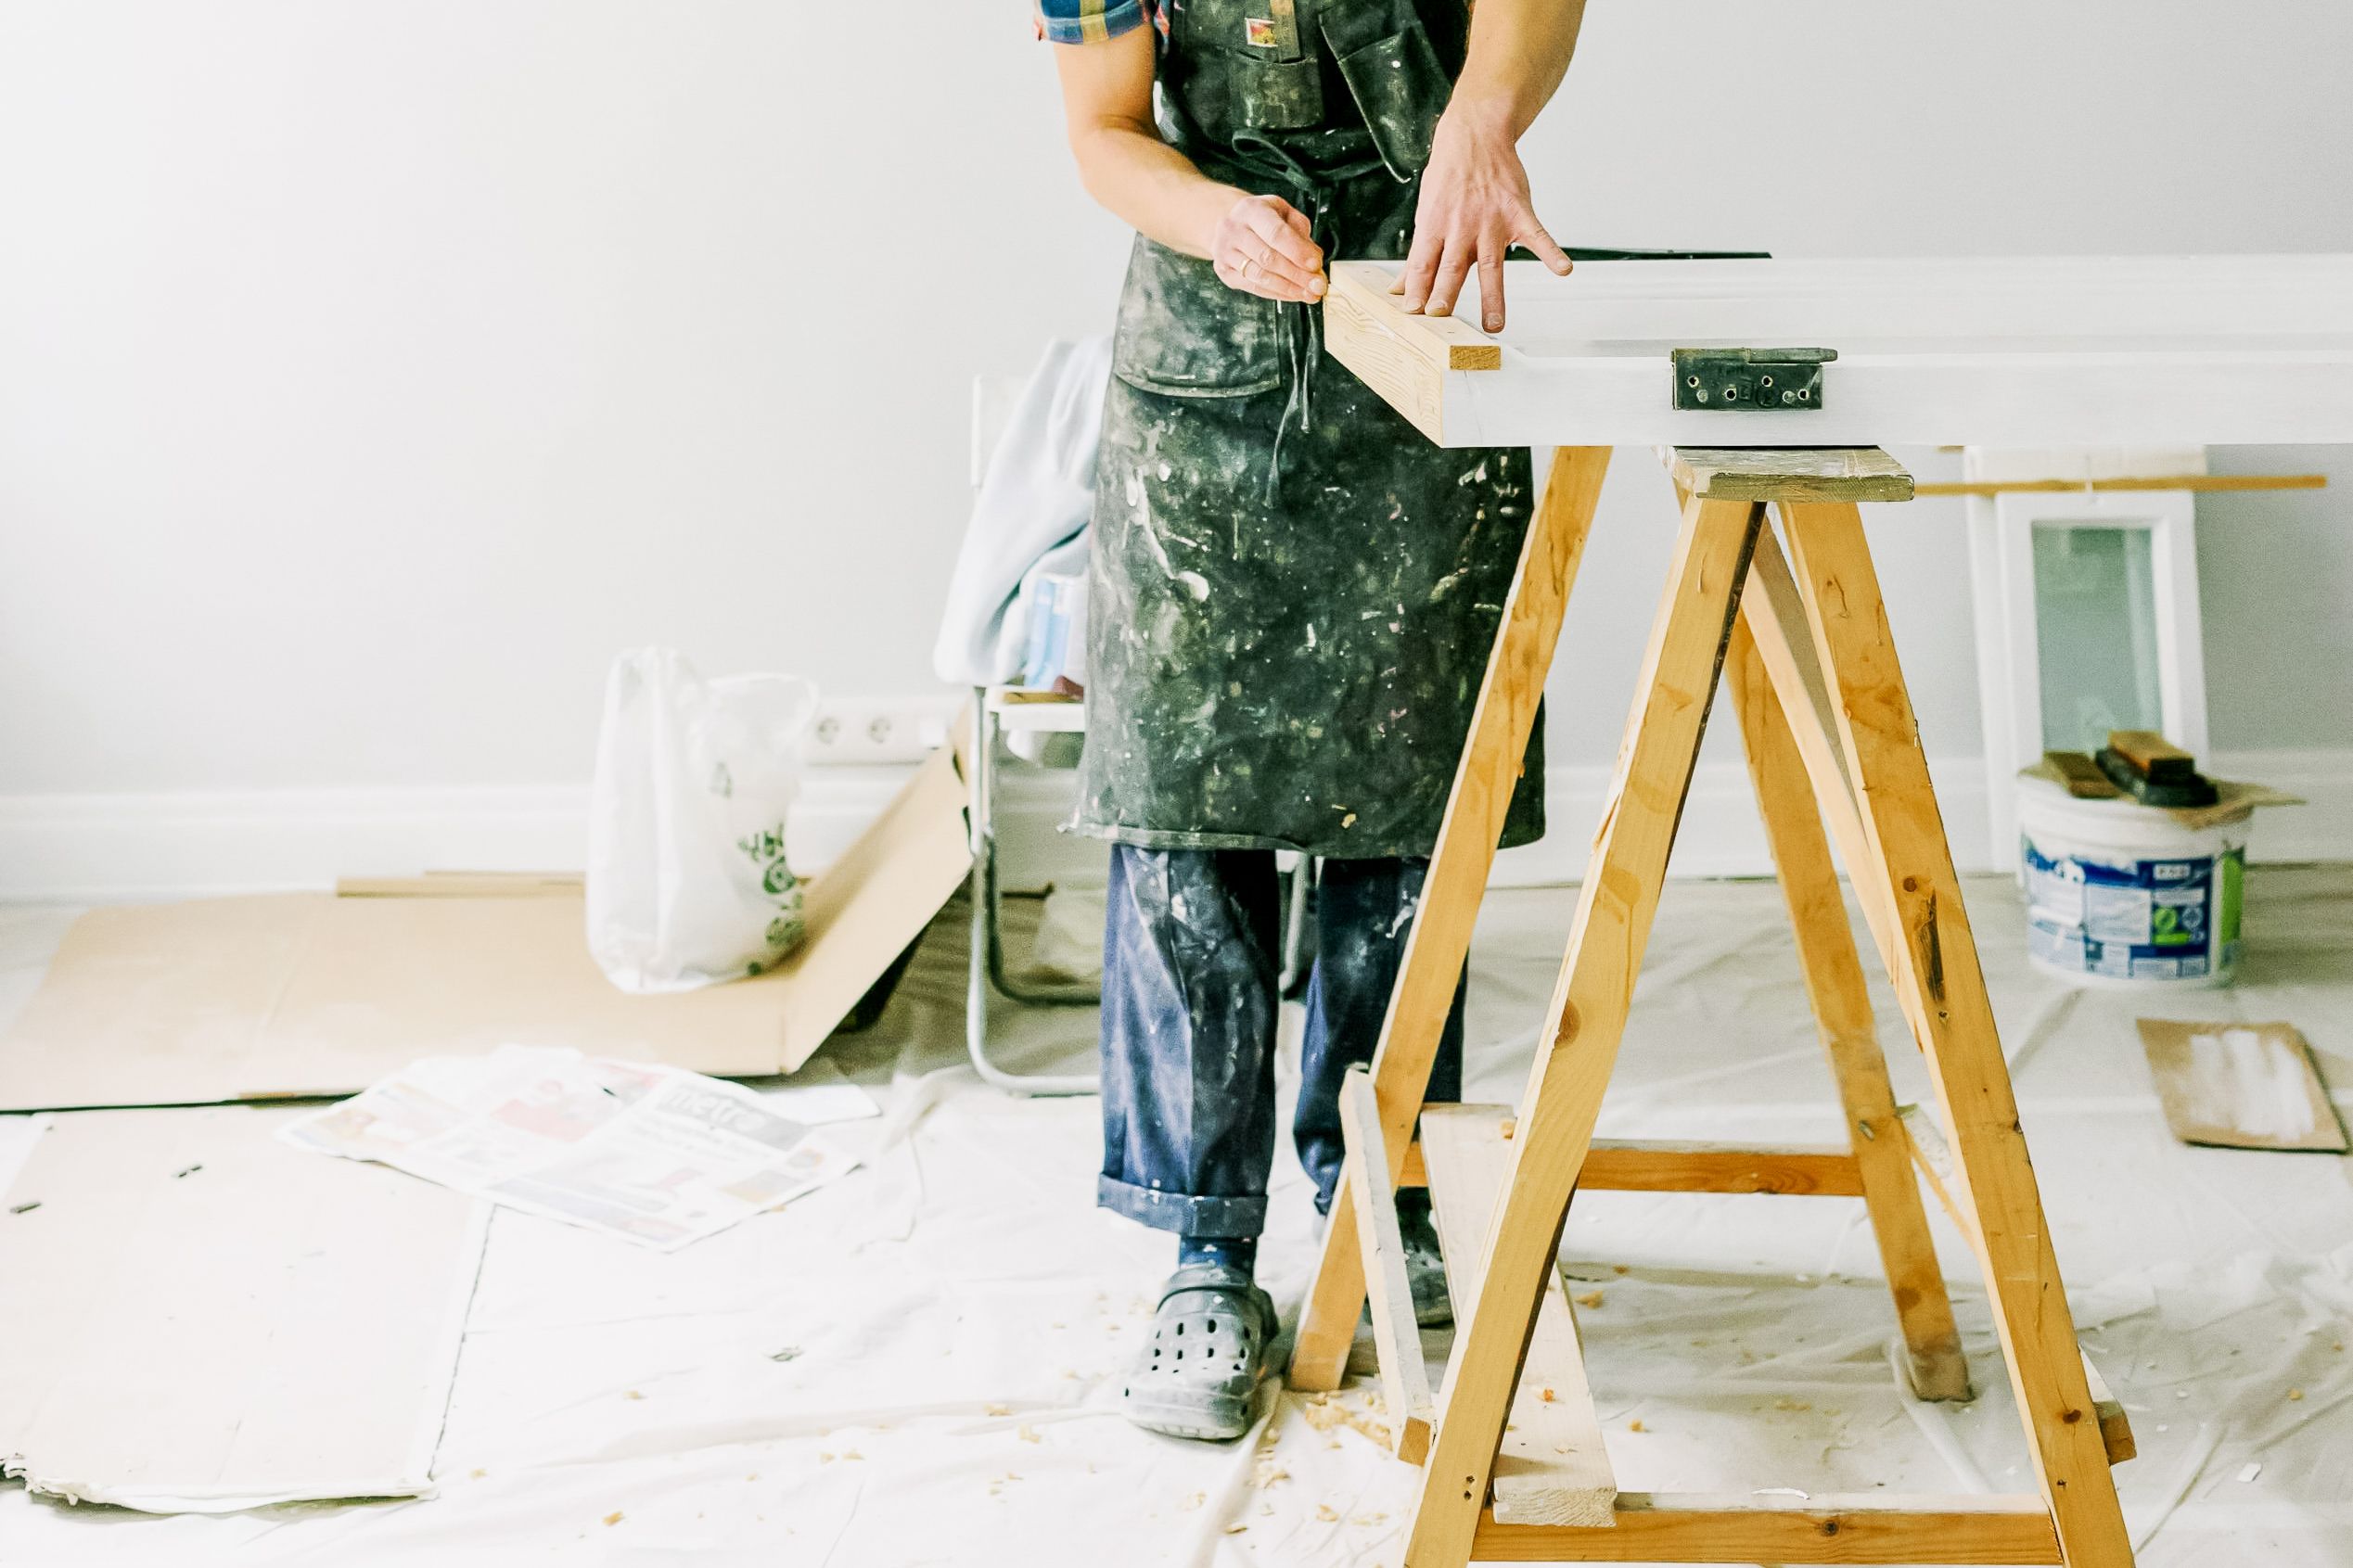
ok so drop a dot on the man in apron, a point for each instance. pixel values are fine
(1294, 594)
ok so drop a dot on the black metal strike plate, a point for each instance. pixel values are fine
(1751, 378)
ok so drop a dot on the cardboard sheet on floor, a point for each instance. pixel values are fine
(312, 994)
(201, 1318)
(2241, 1086)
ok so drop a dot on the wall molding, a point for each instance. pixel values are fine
(118, 847)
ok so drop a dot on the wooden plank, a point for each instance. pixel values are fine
(1578, 1044)
(2241, 1086)
(2170, 481)
(1841, 1000)
(2036, 352)
(1553, 1467)
(1745, 1527)
(463, 884)
(1838, 472)
(1404, 1380)
(1620, 1165)
(1493, 754)
(1448, 342)
(1774, 616)
(1404, 357)
(1912, 864)
(1407, 382)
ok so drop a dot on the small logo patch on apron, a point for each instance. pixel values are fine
(1261, 32)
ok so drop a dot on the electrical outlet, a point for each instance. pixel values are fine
(852, 731)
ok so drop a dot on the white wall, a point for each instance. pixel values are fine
(370, 372)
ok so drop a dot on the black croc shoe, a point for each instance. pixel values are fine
(1199, 1375)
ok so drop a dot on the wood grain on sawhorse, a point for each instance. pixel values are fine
(1813, 678)
(1911, 867)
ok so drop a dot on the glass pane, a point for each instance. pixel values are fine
(2096, 621)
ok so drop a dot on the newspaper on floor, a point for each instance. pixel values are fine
(657, 1155)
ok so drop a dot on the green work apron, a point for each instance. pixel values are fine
(1294, 594)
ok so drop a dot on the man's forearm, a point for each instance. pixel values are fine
(1519, 51)
(1150, 185)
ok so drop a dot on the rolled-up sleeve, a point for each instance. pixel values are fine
(1089, 21)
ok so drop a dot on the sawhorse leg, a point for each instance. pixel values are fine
(1910, 867)
(1441, 940)
(1578, 1047)
(1841, 1001)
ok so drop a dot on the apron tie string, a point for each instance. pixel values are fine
(1302, 331)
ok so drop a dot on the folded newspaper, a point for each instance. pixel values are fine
(657, 1155)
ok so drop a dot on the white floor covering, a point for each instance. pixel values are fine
(918, 1365)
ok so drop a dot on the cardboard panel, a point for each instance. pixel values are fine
(203, 1319)
(2241, 1086)
(310, 994)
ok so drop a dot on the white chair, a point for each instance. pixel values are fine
(998, 713)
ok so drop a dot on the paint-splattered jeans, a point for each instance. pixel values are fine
(1190, 959)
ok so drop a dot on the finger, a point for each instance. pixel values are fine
(1421, 264)
(1271, 264)
(1491, 281)
(1532, 236)
(1284, 240)
(1460, 251)
(1251, 279)
(1295, 218)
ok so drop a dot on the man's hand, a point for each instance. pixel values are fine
(1474, 206)
(1262, 245)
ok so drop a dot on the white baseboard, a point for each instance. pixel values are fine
(112, 848)
(92, 848)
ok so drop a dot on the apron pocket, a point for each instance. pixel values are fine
(1399, 87)
(1276, 95)
(1185, 334)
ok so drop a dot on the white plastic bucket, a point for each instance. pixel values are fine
(2119, 893)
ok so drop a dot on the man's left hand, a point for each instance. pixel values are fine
(1474, 206)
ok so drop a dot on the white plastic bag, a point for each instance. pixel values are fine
(687, 879)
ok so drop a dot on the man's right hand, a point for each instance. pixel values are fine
(1263, 247)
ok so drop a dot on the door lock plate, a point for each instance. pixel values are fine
(1780, 379)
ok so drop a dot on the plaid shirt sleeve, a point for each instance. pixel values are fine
(1091, 21)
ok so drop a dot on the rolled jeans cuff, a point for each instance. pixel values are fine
(1182, 1212)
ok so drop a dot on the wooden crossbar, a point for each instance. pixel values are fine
(1619, 1164)
(1742, 1527)
(1667, 1165)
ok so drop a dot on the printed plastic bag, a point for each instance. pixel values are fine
(687, 879)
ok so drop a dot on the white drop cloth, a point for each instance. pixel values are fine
(1031, 519)
(915, 1365)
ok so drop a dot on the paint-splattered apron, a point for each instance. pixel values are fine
(1294, 593)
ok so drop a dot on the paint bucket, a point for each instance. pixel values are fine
(2121, 895)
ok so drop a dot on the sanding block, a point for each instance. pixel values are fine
(2154, 771)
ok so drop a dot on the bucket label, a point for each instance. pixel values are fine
(2173, 918)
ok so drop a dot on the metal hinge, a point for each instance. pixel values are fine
(1753, 379)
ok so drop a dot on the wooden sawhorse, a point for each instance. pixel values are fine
(1513, 1467)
